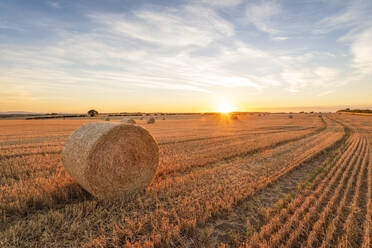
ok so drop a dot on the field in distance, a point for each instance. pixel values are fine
(262, 180)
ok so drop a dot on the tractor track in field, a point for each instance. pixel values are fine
(2, 157)
(234, 227)
(247, 133)
(29, 154)
(182, 171)
(335, 212)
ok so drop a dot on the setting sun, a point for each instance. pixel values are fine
(225, 108)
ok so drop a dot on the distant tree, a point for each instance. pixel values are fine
(92, 112)
(368, 111)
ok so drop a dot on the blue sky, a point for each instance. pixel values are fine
(68, 56)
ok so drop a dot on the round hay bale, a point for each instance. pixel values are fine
(234, 117)
(131, 121)
(111, 160)
(107, 118)
(151, 120)
(290, 116)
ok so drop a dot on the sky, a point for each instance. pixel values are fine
(185, 56)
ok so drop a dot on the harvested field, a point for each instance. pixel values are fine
(259, 181)
(335, 210)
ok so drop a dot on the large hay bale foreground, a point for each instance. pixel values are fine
(111, 160)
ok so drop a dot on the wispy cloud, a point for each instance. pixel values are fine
(361, 50)
(280, 38)
(317, 78)
(261, 15)
(171, 58)
(353, 16)
(354, 22)
(222, 3)
(53, 4)
(191, 25)
(325, 93)
(125, 51)
(193, 47)
(10, 26)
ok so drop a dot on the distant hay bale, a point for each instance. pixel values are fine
(163, 118)
(111, 160)
(151, 120)
(107, 118)
(234, 117)
(290, 116)
(129, 121)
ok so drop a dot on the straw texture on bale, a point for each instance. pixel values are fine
(111, 160)
(151, 120)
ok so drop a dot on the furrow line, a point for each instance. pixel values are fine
(351, 234)
(336, 222)
(314, 201)
(367, 237)
(299, 206)
(341, 197)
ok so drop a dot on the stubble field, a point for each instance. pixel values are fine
(260, 181)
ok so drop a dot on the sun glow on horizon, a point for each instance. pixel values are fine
(225, 108)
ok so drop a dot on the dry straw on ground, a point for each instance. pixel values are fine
(111, 160)
(151, 120)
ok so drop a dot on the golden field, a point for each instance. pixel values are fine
(259, 181)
